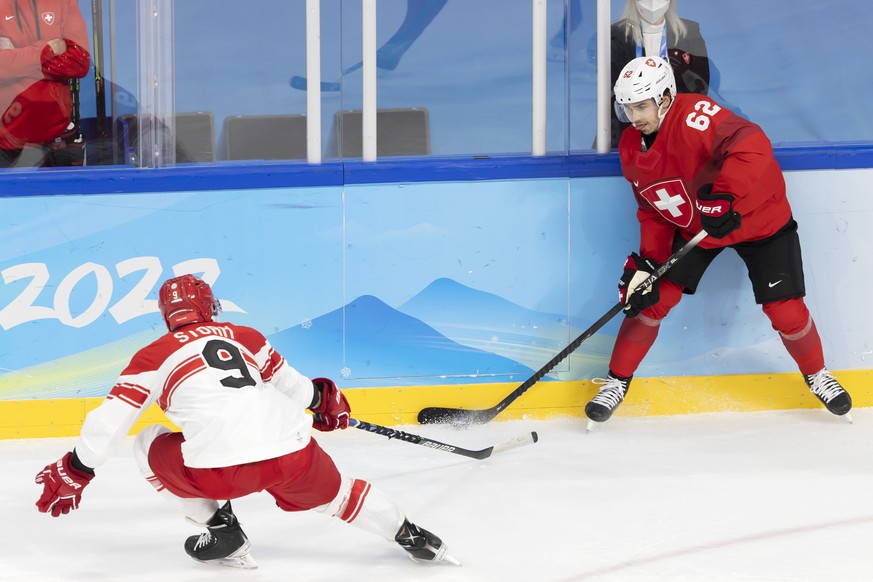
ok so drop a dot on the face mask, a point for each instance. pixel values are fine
(652, 11)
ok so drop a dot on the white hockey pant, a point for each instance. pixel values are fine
(364, 506)
(197, 511)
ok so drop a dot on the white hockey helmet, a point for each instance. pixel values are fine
(643, 78)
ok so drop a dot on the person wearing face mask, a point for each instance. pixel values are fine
(652, 28)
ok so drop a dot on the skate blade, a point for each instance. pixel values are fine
(451, 560)
(245, 562)
(447, 558)
(592, 425)
(442, 555)
(848, 416)
(241, 559)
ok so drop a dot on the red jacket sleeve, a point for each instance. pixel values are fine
(73, 26)
(27, 61)
(73, 63)
(22, 62)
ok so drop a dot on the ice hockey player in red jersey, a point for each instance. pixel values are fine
(244, 429)
(695, 165)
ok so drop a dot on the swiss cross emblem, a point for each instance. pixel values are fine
(671, 200)
(48, 17)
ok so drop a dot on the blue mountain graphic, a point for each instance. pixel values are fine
(386, 347)
(486, 321)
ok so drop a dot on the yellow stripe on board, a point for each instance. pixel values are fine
(392, 406)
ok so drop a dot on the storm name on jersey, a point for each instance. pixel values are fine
(189, 334)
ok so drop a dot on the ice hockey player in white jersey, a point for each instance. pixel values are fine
(241, 409)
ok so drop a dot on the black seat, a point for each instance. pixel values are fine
(265, 137)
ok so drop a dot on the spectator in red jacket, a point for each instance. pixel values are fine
(43, 47)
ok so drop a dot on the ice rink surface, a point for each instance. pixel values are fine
(770, 496)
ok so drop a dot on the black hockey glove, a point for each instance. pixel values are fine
(69, 148)
(717, 215)
(636, 270)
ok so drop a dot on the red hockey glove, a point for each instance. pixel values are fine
(62, 486)
(333, 410)
(636, 270)
(717, 215)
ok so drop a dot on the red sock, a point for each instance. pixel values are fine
(798, 333)
(635, 337)
(805, 348)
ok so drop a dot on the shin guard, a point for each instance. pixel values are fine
(361, 505)
(635, 336)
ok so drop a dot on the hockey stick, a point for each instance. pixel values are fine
(299, 83)
(461, 417)
(97, 55)
(519, 441)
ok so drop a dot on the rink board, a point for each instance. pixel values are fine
(400, 406)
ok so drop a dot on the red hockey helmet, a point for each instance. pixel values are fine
(187, 299)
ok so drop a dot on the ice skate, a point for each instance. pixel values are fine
(224, 543)
(828, 390)
(422, 545)
(604, 403)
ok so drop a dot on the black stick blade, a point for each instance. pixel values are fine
(457, 417)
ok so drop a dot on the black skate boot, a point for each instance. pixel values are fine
(608, 398)
(422, 545)
(224, 543)
(828, 390)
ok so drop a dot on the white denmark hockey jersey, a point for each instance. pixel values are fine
(234, 397)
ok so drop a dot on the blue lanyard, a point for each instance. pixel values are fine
(663, 44)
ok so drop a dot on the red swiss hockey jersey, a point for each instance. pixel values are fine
(701, 142)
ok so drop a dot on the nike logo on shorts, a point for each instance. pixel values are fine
(771, 285)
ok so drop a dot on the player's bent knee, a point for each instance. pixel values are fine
(670, 293)
(789, 317)
(334, 506)
(648, 321)
(143, 442)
